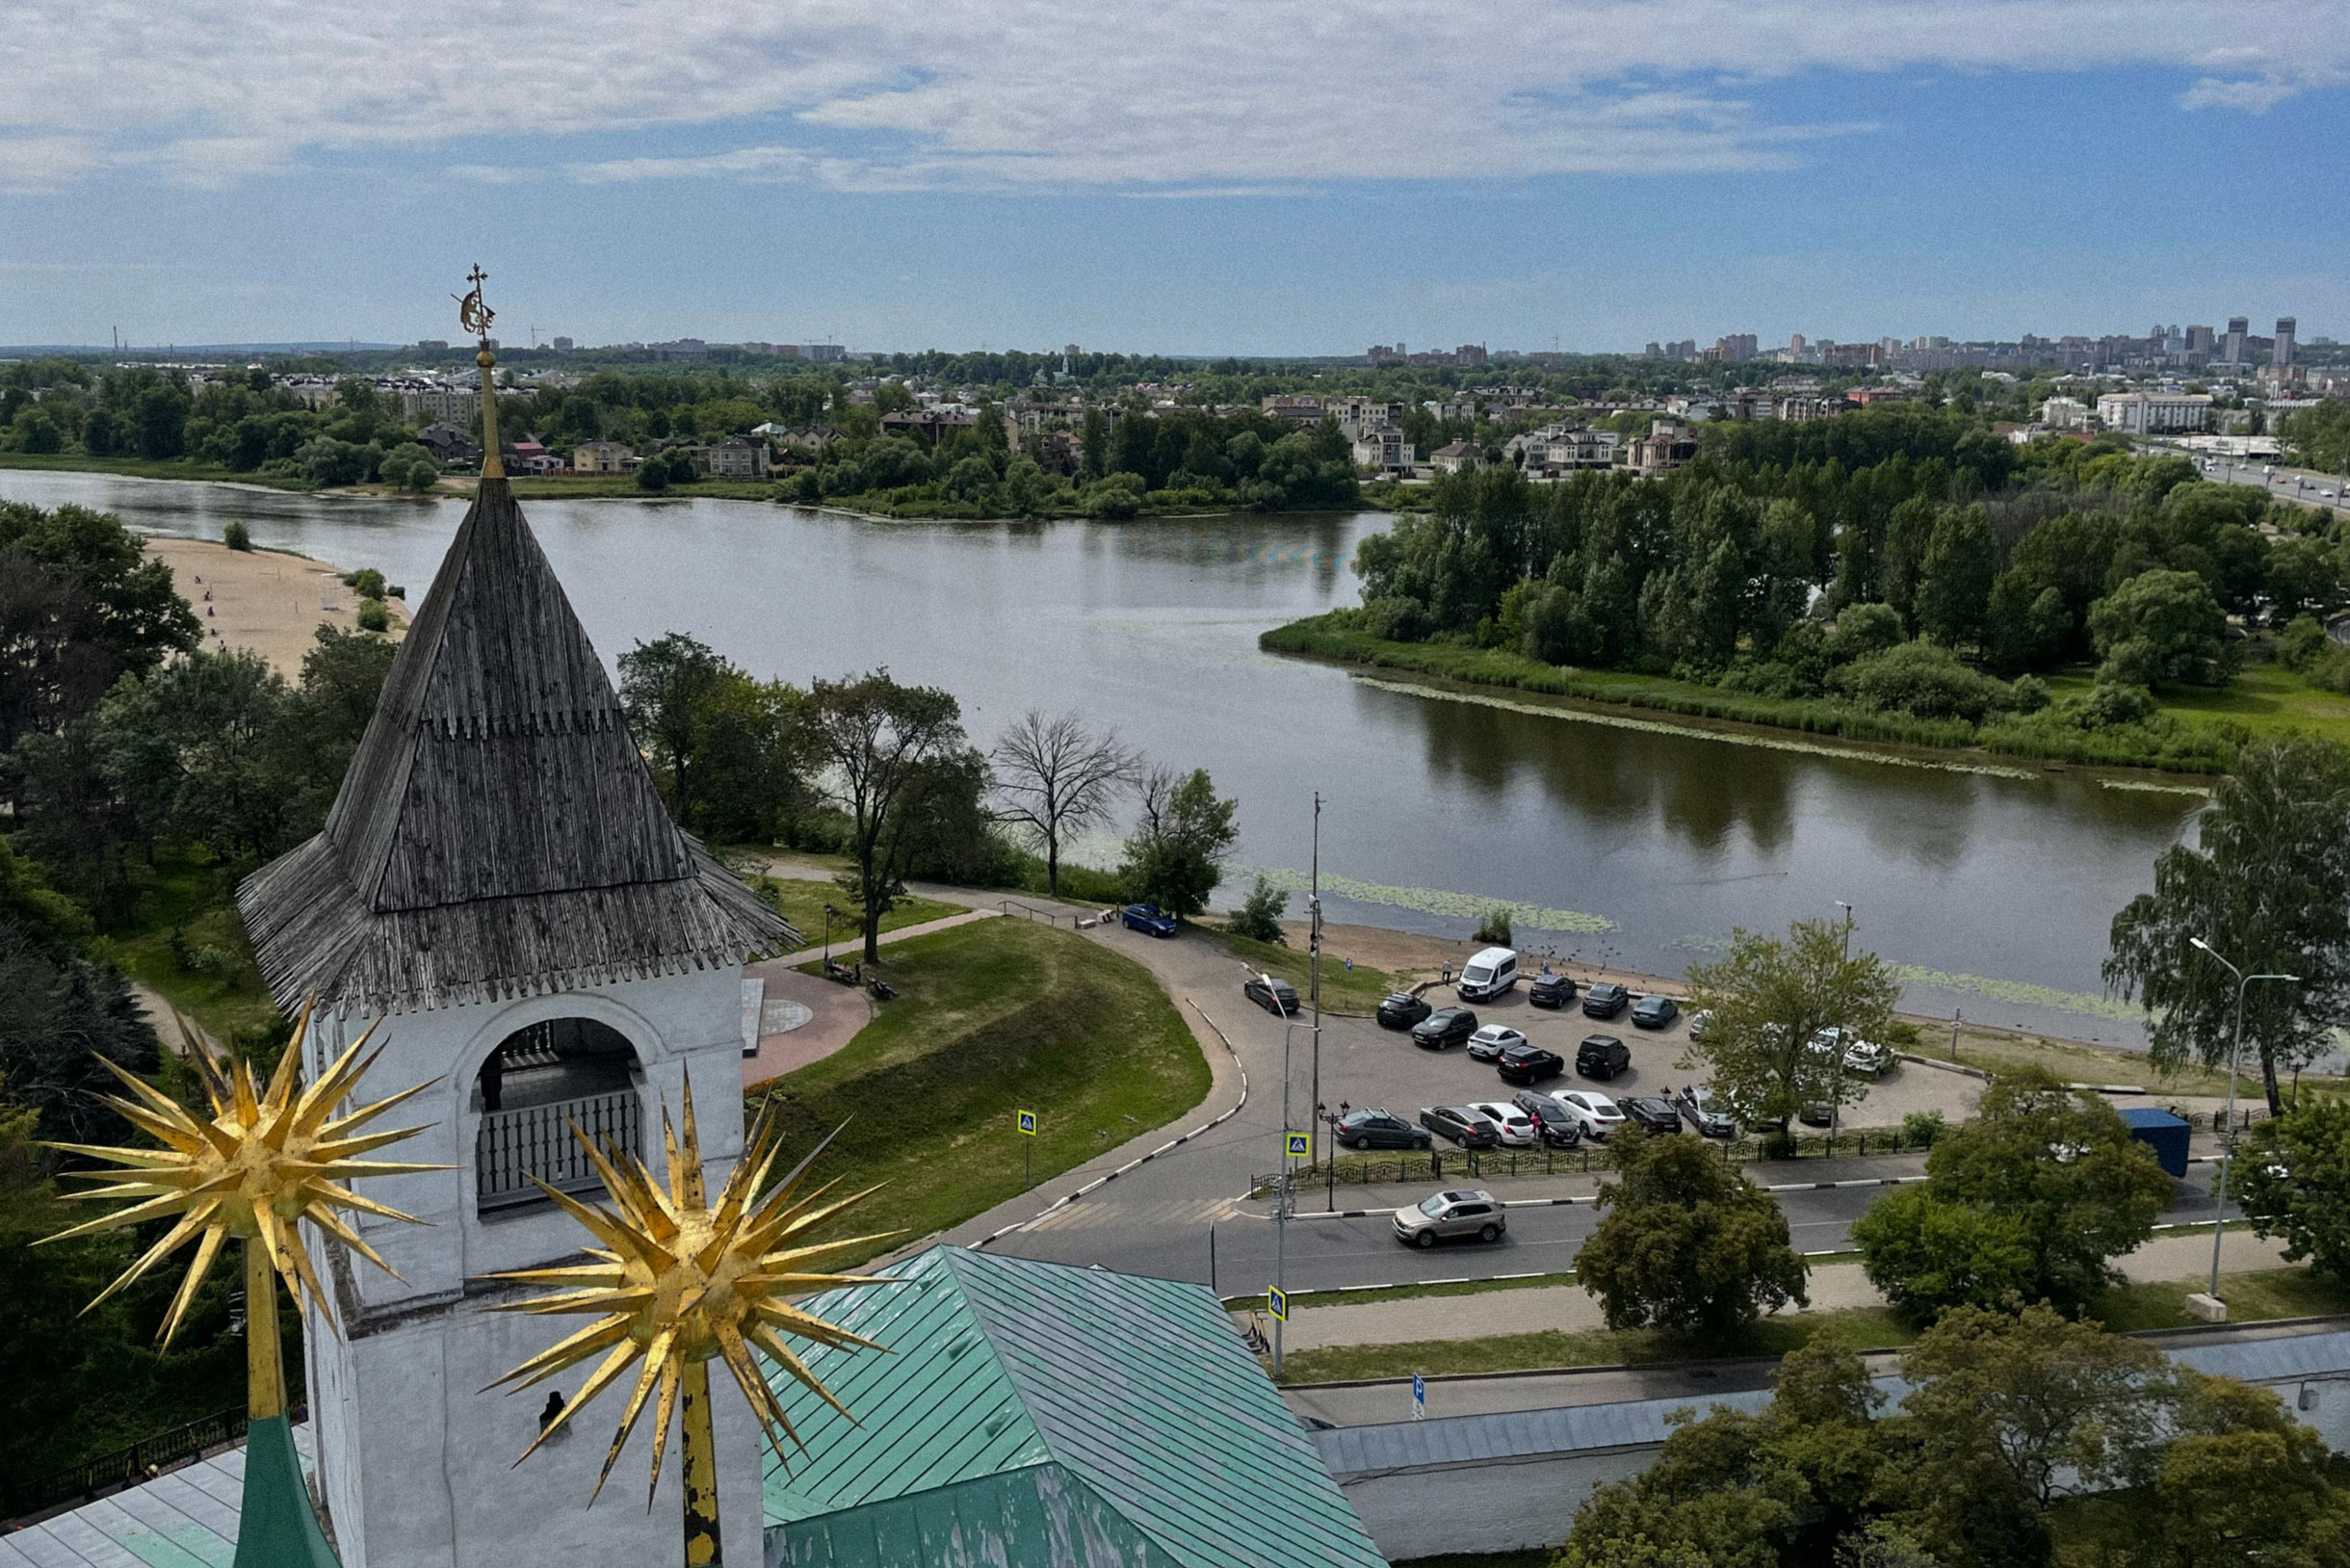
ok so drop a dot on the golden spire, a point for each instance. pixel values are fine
(264, 1160)
(680, 1281)
(476, 318)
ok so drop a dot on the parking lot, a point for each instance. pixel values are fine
(1366, 1065)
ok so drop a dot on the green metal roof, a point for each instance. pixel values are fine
(1032, 1412)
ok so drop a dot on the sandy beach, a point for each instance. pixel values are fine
(265, 600)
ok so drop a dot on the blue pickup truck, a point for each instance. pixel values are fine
(1149, 919)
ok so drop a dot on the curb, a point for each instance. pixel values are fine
(1067, 1198)
(1561, 1203)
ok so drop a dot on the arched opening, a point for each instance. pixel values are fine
(540, 1082)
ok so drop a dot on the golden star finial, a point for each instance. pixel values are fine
(681, 1281)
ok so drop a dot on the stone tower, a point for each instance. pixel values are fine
(500, 891)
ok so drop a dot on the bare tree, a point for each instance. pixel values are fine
(1058, 777)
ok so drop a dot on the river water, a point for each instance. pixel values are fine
(1623, 842)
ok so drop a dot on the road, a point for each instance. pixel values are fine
(2304, 486)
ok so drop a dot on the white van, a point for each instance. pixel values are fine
(1488, 973)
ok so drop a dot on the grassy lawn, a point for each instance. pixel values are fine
(993, 1017)
(224, 992)
(2094, 1064)
(1313, 1299)
(1351, 991)
(1868, 1328)
(802, 903)
(75, 462)
(2266, 699)
(2270, 1292)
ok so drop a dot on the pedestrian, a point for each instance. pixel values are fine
(1447, 972)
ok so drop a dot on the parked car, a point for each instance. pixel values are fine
(1402, 1009)
(1651, 1112)
(1752, 1120)
(1602, 1055)
(1866, 1058)
(1445, 1215)
(1488, 973)
(1488, 1043)
(1705, 1111)
(1148, 919)
(1817, 1113)
(1277, 995)
(1701, 1023)
(1599, 1115)
(1654, 1012)
(1444, 1029)
(1528, 1065)
(1557, 1126)
(1605, 998)
(1517, 1126)
(1470, 1129)
(1550, 991)
(1380, 1130)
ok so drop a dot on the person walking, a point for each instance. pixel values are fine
(1447, 972)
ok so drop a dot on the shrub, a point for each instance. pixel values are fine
(368, 580)
(236, 535)
(1259, 917)
(1494, 928)
(374, 615)
(1395, 618)
(1923, 1128)
(410, 468)
(1117, 497)
(2029, 694)
(1925, 680)
(1862, 630)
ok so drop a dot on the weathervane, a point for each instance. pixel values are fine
(475, 317)
(471, 313)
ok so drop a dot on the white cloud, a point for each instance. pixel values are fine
(1146, 95)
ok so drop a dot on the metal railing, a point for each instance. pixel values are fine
(536, 1140)
(150, 1456)
(1027, 911)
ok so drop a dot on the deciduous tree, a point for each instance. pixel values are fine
(1177, 856)
(1769, 999)
(1688, 1245)
(880, 745)
(1056, 777)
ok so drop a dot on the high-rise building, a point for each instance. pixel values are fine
(2233, 346)
(2200, 343)
(2281, 354)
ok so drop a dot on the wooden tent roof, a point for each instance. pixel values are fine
(498, 833)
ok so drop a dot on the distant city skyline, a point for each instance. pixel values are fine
(1283, 178)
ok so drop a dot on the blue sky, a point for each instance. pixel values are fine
(1250, 176)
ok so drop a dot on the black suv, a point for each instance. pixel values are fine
(1602, 1055)
(1445, 1028)
(1655, 1114)
(1528, 1065)
(1377, 1130)
(1550, 991)
(1402, 1009)
(1554, 1123)
(1605, 998)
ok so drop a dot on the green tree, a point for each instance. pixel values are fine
(2023, 628)
(1176, 857)
(195, 751)
(1770, 999)
(667, 687)
(1259, 917)
(2243, 1481)
(2294, 1182)
(410, 468)
(1688, 1244)
(144, 618)
(1954, 578)
(881, 746)
(2269, 887)
(2160, 626)
(2050, 1180)
(2303, 575)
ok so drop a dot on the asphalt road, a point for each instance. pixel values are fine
(2304, 486)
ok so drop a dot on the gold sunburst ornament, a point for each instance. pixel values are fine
(679, 1281)
(264, 1161)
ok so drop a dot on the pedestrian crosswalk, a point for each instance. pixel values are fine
(1089, 1213)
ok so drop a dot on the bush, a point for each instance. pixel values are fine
(1929, 1256)
(1495, 927)
(2029, 694)
(1923, 1127)
(410, 468)
(236, 535)
(1117, 497)
(1259, 917)
(374, 615)
(2297, 1184)
(368, 580)
(1395, 618)
(1922, 679)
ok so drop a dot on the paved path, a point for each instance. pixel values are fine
(836, 1012)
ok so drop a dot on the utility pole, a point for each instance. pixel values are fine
(2226, 1145)
(1314, 947)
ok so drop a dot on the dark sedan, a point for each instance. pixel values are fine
(1605, 998)
(1654, 1012)
(1273, 996)
(1377, 1130)
(1445, 1028)
(1550, 991)
(1554, 1123)
(1463, 1126)
(1528, 1065)
(1655, 1114)
(1402, 1009)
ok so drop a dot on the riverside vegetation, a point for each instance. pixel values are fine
(1899, 574)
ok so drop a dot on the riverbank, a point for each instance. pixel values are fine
(269, 601)
(2189, 744)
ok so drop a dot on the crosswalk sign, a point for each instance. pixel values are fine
(1300, 1145)
(1277, 1302)
(1027, 1122)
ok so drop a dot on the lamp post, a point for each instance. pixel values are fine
(827, 939)
(1332, 1118)
(1313, 943)
(1280, 1199)
(2227, 1145)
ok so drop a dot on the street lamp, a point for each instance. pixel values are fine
(2226, 1145)
(827, 939)
(1280, 1199)
(1331, 1118)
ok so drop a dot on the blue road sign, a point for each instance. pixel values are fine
(1419, 1397)
(1300, 1145)
(1277, 1302)
(1027, 1122)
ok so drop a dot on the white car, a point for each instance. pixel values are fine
(1866, 1058)
(1701, 1023)
(1599, 1115)
(1518, 1129)
(1488, 1043)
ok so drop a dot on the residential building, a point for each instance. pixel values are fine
(2154, 414)
(604, 457)
(1665, 447)
(1356, 416)
(450, 443)
(738, 459)
(2065, 414)
(563, 344)
(2280, 348)
(1382, 449)
(450, 405)
(932, 425)
(1296, 409)
(1455, 456)
(1799, 407)
(529, 456)
(2235, 347)
(2203, 344)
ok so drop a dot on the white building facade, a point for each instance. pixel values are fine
(2154, 413)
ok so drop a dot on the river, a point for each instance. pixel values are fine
(1625, 843)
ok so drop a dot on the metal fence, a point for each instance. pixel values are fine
(536, 1140)
(125, 1467)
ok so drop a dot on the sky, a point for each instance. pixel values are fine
(1177, 176)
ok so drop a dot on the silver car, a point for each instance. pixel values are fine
(1443, 1215)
